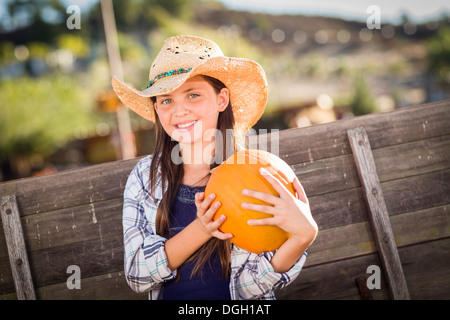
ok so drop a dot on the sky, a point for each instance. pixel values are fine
(390, 10)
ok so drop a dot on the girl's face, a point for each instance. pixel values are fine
(187, 113)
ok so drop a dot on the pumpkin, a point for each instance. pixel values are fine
(241, 171)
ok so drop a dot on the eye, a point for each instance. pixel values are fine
(193, 95)
(165, 101)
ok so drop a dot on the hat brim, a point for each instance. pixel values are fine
(244, 78)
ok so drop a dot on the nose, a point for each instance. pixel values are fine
(181, 109)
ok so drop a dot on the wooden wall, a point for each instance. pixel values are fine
(411, 148)
(74, 217)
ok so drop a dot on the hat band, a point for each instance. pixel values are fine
(167, 74)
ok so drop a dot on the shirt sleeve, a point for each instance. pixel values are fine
(253, 277)
(145, 260)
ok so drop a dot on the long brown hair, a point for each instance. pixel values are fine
(172, 175)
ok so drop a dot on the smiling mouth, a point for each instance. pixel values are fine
(186, 124)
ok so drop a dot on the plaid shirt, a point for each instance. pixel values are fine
(146, 267)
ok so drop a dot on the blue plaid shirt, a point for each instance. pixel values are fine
(146, 267)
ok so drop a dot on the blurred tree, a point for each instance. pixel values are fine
(41, 114)
(6, 53)
(363, 101)
(74, 43)
(143, 14)
(31, 20)
(439, 54)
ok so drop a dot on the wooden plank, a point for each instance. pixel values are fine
(394, 162)
(331, 210)
(337, 209)
(335, 280)
(356, 239)
(94, 257)
(75, 224)
(417, 192)
(427, 271)
(70, 225)
(379, 216)
(401, 196)
(328, 140)
(16, 248)
(70, 188)
(324, 281)
(413, 158)
(110, 286)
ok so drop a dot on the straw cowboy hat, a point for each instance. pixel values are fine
(183, 57)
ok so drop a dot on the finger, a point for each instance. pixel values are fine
(276, 183)
(222, 236)
(209, 214)
(203, 205)
(301, 194)
(266, 197)
(218, 222)
(199, 198)
(216, 225)
(259, 207)
(262, 222)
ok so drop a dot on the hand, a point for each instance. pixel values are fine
(205, 214)
(290, 213)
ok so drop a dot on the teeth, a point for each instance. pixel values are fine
(185, 125)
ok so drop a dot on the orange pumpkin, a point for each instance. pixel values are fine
(239, 172)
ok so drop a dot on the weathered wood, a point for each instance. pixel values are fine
(70, 188)
(335, 280)
(395, 162)
(345, 208)
(401, 196)
(330, 210)
(356, 239)
(16, 248)
(94, 257)
(76, 224)
(328, 140)
(110, 286)
(426, 268)
(379, 216)
(334, 244)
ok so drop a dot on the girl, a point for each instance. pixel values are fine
(173, 248)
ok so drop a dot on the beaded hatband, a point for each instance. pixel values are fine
(167, 74)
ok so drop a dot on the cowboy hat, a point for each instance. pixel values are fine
(183, 57)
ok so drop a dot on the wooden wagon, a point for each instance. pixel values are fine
(379, 187)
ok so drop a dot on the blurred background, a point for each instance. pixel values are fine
(324, 61)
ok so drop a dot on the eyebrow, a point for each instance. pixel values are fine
(194, 88)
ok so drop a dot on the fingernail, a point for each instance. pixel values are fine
(263, 171)
(245, 192)
(217, 204)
